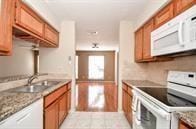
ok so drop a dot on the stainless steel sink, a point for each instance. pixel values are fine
(48, 83)
(30, 89)
(37, 87)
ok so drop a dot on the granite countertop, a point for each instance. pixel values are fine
(12, 102)
(141, 83)
(189, 117)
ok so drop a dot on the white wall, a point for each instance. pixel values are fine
(128, 69)
(150, 9)
(56, 60)
(21, 62)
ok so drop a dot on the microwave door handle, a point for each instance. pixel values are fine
(180, 34)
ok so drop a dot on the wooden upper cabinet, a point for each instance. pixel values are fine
(6, 20)
(28, 19)
(147, 29)
(164, 15)
(51, 35)
(139, 45)
(182, 5)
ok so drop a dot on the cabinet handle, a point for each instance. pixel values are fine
(22, 118)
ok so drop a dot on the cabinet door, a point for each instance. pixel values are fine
(62, 108)
(124, 100)
(51, 116)
(129, 108)
(51, 35)
(164, 15)
(28, 19)
(182, 125)
(138, 45)
(68, 100)
(182, 5)
(6, 18)
(147, 29)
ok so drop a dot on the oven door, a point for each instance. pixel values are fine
(150, 116)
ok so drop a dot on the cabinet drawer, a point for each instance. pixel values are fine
(28, 19)
(164, 15)
(51, 35)
(54, 96)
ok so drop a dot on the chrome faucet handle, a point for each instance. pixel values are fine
(30, 80)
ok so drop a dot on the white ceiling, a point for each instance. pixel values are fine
(103, 16)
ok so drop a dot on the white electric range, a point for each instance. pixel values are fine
(154, 107)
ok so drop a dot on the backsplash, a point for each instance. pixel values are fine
(21, 62)
(157, 71)
(21, 80)
(13, 78)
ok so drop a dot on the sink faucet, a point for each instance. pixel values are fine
(30, 80)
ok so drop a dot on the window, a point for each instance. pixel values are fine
(96, 67)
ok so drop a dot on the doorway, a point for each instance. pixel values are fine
(96, 90)
(96, 67)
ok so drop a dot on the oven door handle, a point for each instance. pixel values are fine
(154, 108)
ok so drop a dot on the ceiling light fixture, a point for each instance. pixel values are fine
(95, 45)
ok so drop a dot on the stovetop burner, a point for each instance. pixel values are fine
(170, 97)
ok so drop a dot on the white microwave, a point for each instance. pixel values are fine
(177, 35)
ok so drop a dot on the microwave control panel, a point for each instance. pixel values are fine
(193, 29)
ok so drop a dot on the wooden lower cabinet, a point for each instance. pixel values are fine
(183, 125)
(56, 110)
(127, 102)
(62, 108)
(51, 116)
(124, 101)
(129, 108)
(69, 99)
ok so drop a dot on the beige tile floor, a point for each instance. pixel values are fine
(95, 120)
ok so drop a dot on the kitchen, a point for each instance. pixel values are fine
(155, 70)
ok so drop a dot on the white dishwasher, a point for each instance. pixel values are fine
(30, 117)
